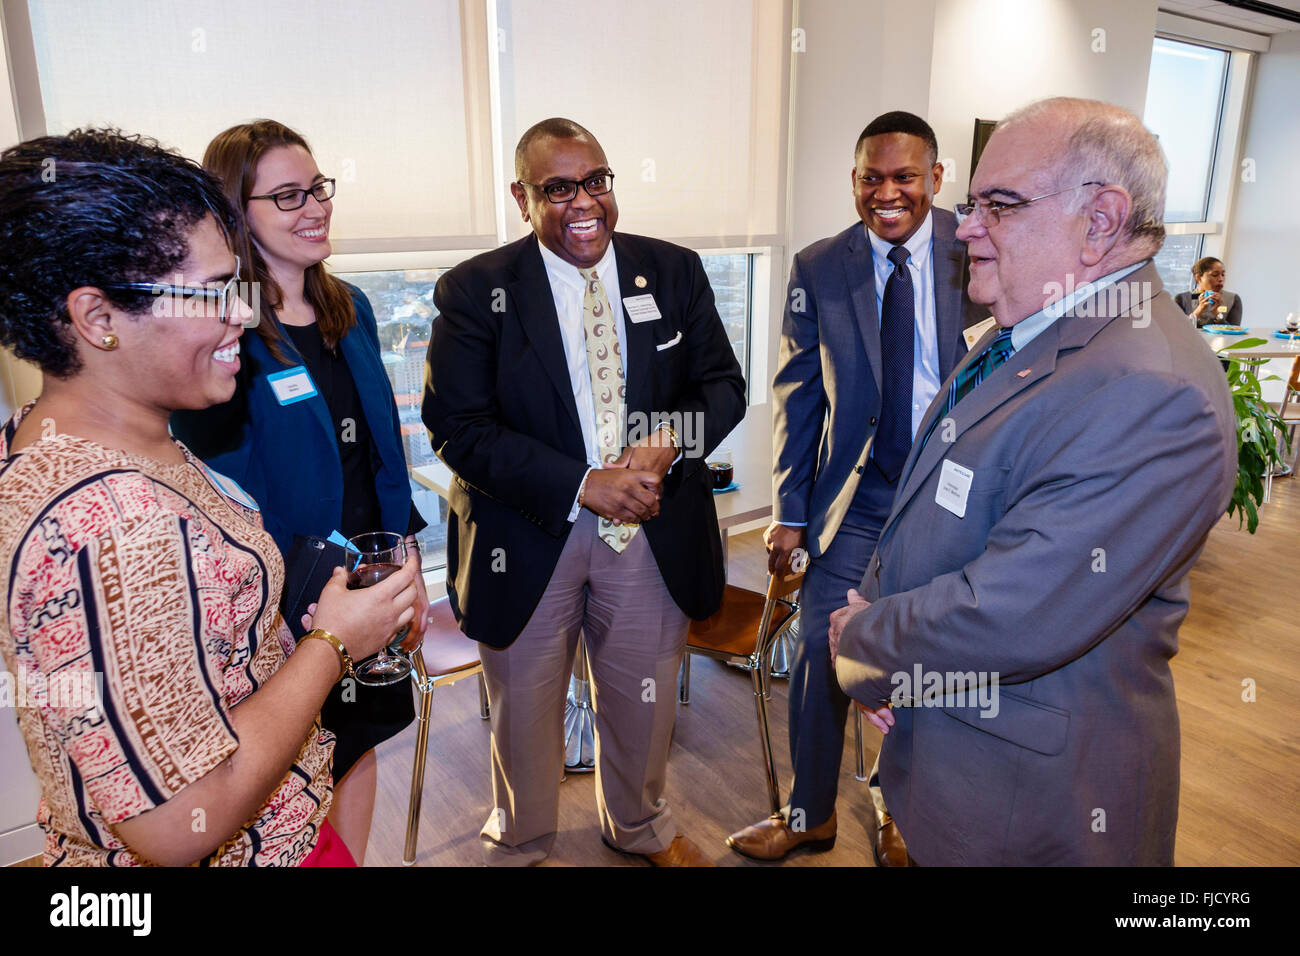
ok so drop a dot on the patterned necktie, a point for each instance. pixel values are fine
(897, 332)
(608, 389)
(999, 350)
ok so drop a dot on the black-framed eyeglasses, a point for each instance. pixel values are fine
(246, 292)
(990, 210)
(291, 199)
(565, 190)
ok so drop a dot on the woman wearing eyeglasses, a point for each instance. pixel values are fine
(312, 432)
(164, 718)
(1208, 303)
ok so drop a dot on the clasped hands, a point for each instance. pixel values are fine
(628, 489)
(882, 718)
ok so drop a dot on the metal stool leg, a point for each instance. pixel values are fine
(425, 688)
(484, 711)
(861, 775)
(579, 720)
(684, 682)
(765, 739)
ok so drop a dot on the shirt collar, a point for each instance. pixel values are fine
(567, 272)
(1028, 329)
(916, 246)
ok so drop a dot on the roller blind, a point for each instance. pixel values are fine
(392, 95)
(686, 97)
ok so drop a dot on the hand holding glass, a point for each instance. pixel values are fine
(372, 557)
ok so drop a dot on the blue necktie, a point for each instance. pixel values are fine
(897, 331)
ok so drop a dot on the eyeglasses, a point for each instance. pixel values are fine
(291, 199)
(203, 296)
(566, 190)
(990, 210)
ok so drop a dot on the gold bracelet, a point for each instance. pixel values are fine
(672, 434)
(583, 487)
(321, 634)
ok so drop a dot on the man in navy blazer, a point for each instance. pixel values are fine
(560, 524)
(865, 343)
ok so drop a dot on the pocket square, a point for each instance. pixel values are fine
(670, 343)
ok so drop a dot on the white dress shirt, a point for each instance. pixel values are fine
(568, 288)
(925, 341)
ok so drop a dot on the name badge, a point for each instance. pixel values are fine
(976, 332)
(954, 487)
(292, 385)
(641, 308)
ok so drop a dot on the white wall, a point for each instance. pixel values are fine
(1263, 247)
(19, 836)
(862, 59)
(991, 56)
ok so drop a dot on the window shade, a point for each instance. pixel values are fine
(685, 97)
(391, 95)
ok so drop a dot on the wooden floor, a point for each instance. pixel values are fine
(1240, 760)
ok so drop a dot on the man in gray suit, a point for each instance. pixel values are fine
(873, 323)
(1024, 599)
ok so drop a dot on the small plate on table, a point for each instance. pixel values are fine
(1223, 329)
(734, 486)
(1284, 334)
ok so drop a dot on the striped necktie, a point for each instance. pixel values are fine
(999, 350)
(608, 390)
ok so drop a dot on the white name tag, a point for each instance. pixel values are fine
(641, 308)
(954, 487)
(292, 385)
(976, 332)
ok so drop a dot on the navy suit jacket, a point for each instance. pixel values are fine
(500, 411)
(826, 389)
(287, 456)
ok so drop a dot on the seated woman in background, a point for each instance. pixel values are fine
(1208, 303)
(341, 441)
(165, 720)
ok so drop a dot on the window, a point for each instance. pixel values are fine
(416, 114)
(1194, 102)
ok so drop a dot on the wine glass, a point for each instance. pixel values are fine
(1293, 322)
(371, 558)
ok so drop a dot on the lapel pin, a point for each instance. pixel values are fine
(1023, 372)
(640, 282)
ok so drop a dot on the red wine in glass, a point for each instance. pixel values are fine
(372, 557)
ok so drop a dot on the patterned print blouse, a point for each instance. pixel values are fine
(141, 605)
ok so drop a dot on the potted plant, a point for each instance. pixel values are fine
(1258, 428)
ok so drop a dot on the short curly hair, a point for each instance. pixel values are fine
(90, 208)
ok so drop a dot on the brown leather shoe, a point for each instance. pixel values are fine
(681, 852)
(773, 839)
(887, 844)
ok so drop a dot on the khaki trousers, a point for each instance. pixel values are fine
(635, 635)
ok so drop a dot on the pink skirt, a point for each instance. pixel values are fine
(330, 850)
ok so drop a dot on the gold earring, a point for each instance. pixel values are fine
(109, 341)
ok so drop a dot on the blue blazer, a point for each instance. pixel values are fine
(286, 456)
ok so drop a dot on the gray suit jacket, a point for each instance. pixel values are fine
(826, 391)
(1102, 454)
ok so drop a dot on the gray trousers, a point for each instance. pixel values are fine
(635, 635)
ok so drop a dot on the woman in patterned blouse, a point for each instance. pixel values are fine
(162, 713)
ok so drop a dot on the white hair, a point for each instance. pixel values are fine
(1110, 145)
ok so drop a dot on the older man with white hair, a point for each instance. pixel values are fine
(1015, 625)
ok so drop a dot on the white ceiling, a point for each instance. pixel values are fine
(1230, 16)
